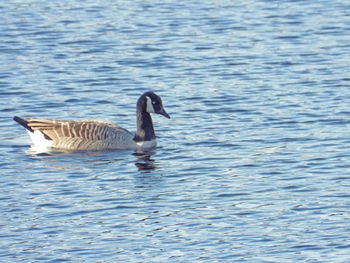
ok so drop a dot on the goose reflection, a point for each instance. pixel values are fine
(144, 161)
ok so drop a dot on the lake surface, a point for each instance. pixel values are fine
(253, 166)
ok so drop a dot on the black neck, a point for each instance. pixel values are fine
(145, 131)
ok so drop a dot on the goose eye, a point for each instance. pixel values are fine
(154, 102)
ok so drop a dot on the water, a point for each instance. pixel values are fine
(253, 166)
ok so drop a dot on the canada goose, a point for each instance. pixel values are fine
(89, 135)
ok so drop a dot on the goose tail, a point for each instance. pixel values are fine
(23, 122)
(38, 138)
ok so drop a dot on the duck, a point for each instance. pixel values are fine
(95, 135)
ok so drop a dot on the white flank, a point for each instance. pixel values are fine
(146, 144)
(39, 140)
(149, 108)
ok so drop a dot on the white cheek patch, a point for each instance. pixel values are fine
(149, 108)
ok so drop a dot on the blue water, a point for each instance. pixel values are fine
(254, 165)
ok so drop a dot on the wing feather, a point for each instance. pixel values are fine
(77, 132)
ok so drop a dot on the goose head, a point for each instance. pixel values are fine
(148, 103)
(152, 103)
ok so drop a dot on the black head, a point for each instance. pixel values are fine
(154, 104)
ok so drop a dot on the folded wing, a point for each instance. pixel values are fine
(81, 135)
